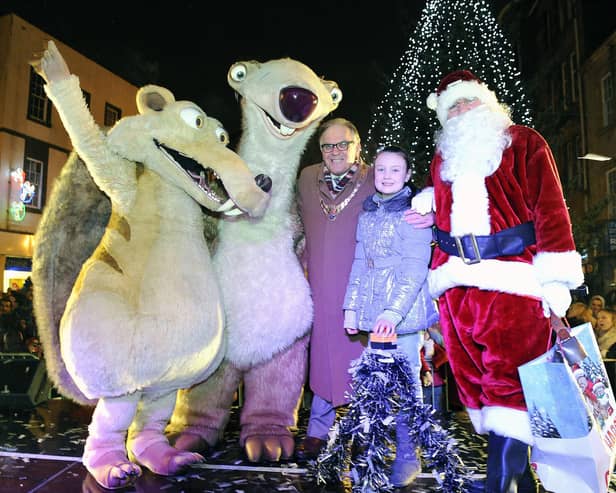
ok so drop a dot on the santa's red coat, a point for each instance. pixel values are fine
(525, 187)
(491, 311)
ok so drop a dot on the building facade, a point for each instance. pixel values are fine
(599, 76)
(564, 48)
(33, 143)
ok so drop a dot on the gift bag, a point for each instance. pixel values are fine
(572, 413)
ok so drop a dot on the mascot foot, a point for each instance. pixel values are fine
(113, 470)
(163, 459)
(270, 448)
(190, 442)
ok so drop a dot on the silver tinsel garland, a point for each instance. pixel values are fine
(361, 443)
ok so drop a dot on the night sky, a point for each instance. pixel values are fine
(181, 46)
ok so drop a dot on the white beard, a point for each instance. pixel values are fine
(472, 147)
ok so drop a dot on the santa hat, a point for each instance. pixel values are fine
(456, 85)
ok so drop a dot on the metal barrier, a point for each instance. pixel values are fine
(23, 381)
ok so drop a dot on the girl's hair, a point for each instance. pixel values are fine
(396, 150)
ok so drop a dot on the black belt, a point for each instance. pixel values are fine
(472, 249)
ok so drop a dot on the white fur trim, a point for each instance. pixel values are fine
(508, 422)
(432, 101)
(492, 275)
(463, 89)
(563, 267)
(469, 209)
(477, 419)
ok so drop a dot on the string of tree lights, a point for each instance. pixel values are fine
(450, 35)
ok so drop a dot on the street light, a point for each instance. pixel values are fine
(595, 157)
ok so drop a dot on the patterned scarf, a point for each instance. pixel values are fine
(336, 183)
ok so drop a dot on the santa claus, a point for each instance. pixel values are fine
(504, 259)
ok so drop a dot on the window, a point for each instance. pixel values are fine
(564, 76)
(574, 75)
(547, 25)
(607, 99)
(581, 166)
(611, 190)
(112, 114)
(39, 106)
(553, 95)
(34, 171)
(86, 97)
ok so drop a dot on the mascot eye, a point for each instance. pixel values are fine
(193, 117)
(238, 72)
(222, 135)
(336, 95)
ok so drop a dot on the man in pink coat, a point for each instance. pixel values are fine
(330, 198)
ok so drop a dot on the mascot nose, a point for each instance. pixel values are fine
(264, 182)
(297, 103)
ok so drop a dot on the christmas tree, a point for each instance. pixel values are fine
(450, 35)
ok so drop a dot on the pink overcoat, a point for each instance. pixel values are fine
(330, 247)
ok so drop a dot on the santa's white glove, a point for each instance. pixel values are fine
(557, 298)
(423, 202)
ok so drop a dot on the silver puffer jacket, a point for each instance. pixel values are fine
(390, 267)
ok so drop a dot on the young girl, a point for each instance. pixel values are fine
(387, 291)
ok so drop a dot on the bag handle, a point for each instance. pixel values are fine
(560, 326)
(568, 346)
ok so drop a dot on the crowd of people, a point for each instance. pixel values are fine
(601, 316)
(18, 332)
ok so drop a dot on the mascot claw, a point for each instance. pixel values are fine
(166, 460)
(113, 471)
(190, 442)
(270, 448)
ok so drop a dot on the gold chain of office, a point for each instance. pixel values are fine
(332, 211)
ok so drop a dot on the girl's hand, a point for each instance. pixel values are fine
(351, 331)
(384, 327)
(426, 379)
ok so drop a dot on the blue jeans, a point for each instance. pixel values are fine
(322, 417)
(410, 345)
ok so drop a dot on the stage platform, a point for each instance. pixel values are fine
(41, 447)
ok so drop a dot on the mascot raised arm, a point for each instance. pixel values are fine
(266, 296)
(143, 317)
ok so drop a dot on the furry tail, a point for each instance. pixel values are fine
(72, 224)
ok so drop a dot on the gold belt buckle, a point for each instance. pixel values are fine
(475, 246)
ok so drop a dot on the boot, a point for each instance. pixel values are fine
(508, 466)
(406, 466)
(528, 482)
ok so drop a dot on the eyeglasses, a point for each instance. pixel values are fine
(341, 146)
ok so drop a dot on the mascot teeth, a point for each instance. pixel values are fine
(286, 130)
(226, 206)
